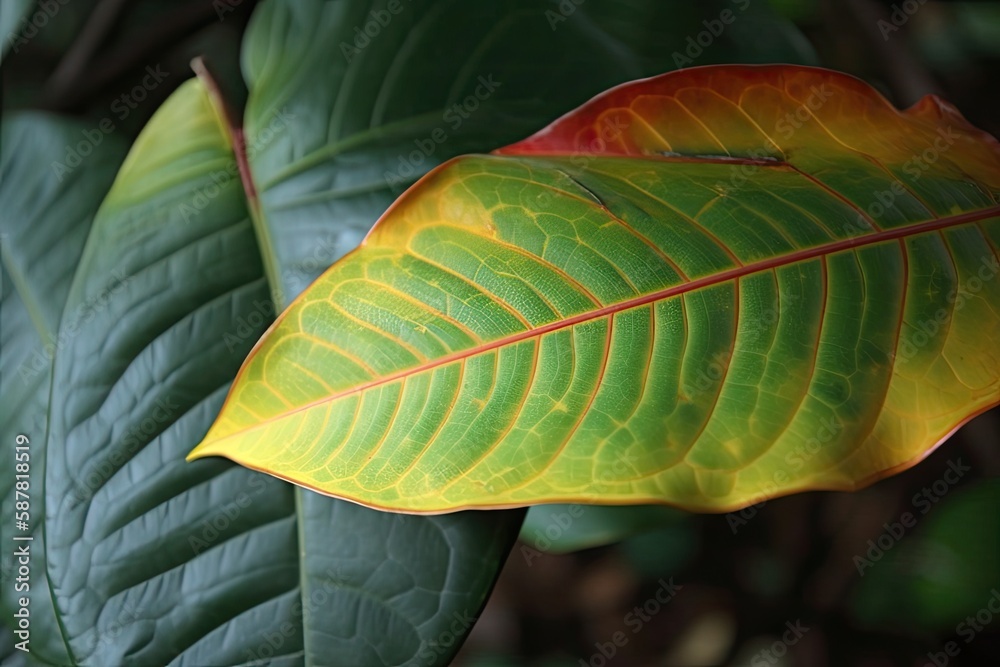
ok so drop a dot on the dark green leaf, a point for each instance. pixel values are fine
(47, 215)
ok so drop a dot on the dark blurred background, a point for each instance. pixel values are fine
(902, 573)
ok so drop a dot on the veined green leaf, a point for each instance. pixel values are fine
(149, 561)
(700, 289)
(47, 214)
(336, 127)
(10, 656)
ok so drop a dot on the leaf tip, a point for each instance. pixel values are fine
(199, 452)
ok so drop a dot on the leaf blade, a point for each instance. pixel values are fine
(461, 220)
(336, 152)
(48, 215)
(141, 571)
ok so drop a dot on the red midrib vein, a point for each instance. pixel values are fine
(666, 293)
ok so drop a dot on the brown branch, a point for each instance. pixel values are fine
(134, 54)
(76, 60)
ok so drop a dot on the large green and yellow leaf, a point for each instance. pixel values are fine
(696, 289)
(331, 132)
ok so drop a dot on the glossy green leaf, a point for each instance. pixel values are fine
(46, 217)
(698, 289)
(561, 529)
(9, 655)
(149, 560)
